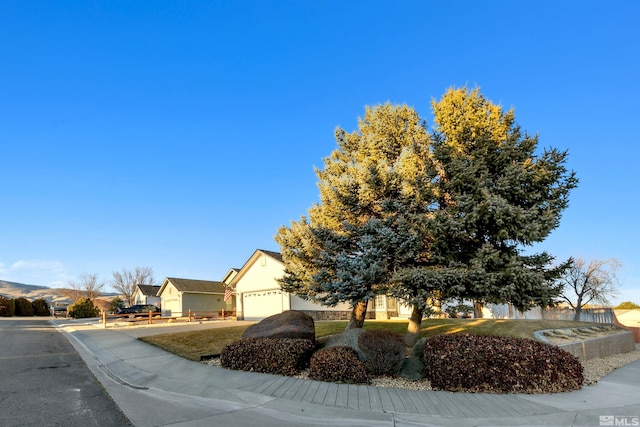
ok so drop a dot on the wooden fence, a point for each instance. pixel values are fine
(151, 317)
(210, 315)
(598, 315)
(506, 311)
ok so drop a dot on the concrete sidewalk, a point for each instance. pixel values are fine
(156, 388)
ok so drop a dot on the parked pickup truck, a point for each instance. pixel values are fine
(139, 309)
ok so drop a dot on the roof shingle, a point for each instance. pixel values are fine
(272, 254)
(149, 290)
(197, 286)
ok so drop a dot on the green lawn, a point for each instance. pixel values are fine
(193, 345)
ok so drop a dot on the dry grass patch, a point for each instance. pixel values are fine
(521, 328)
(194, 344)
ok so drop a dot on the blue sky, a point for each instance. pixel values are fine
(181, 135)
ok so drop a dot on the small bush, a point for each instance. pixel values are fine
(23, 307)
(115, 304)
(383, 351)
(283, 356)
(338, 364)
(7, 307)
(492, 364)
(41, 307)
(627, 305)
(83, 308)
(461, 310)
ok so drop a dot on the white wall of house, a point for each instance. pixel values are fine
(140, 298)
(507, 311)
(262, 275)
(259, 291)
(298, 303)
(404, 310)
(259, 294)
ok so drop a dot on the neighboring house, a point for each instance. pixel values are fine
(259, 295)
(178, 296)
(146, 294)
(384, 308)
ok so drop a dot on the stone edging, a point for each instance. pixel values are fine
(585, 348)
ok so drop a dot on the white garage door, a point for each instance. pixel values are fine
(171, 307)
(258, 305)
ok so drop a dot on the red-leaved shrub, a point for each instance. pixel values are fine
(338, 364)
(478, 363)
(383, 351)
(283, 356)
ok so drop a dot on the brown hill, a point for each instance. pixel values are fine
(55, 296)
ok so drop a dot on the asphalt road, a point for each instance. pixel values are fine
(44, 382)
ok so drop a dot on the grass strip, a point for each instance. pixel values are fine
(194, 344)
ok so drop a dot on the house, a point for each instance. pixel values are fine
(384, 308)
(179, 296)
(258, 293)
(146, 294)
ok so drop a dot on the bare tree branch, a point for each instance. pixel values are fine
(73, 291)
(125, 281)
(594, 282)
(88, 285)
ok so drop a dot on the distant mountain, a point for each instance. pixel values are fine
(20, 286)
(31, 292)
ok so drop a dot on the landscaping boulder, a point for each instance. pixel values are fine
(289, 324)
(413, 366)
(348, 338)
(418, 349)
(412, 369)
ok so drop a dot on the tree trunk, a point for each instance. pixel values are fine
(358, 314)
(576, 316)
(413, 329)
(477, 309)
(577, 309)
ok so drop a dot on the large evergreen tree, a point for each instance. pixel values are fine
(418, 216)
(352, 240)
(499, 194)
